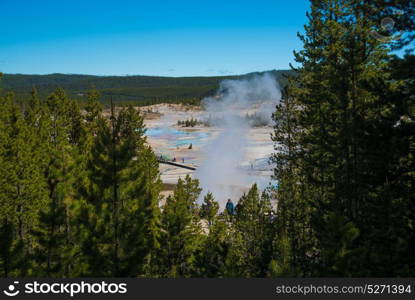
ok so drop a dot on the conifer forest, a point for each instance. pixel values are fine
(80, 186)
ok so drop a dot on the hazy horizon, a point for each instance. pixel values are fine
(142, 75)
(157, 38)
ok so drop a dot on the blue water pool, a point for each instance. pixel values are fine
(177, 137)
(161, 132)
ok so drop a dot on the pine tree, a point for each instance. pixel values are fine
(209, 209)
(118, 213)
(282, 264)
(253, 236)
(142, 244)
(181, 229)
(93, 111)
(337, 127)
(22, 191)
(211, 257)
(52, 235)
(337, 245)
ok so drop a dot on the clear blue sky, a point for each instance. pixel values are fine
(152, 37)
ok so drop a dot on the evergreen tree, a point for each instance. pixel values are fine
(211, 257)
(118, 217)
(335, 129)
(209, 208)
(181, 230)
(142, 244)
(251, 248)
(282, 264)
(52, 235)
(22, 190)
(93, 111)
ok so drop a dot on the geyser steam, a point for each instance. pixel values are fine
(221, 172)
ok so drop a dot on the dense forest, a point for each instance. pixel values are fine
(80, 192)
(136, 90)
(345, 141)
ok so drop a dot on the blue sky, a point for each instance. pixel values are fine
(153, 37)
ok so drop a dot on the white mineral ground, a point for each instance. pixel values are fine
(165, 116)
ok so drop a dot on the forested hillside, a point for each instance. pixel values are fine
(137, 90)
(80, 192)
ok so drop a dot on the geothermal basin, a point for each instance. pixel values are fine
(172, 142)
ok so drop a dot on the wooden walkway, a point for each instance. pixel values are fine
(173, 163)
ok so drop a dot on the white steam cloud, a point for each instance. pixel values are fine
(236, 107)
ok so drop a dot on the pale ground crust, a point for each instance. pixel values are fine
(259, 146)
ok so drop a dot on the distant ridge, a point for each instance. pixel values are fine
(137, 89)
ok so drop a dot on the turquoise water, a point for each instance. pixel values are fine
(160, 132)
(177, 137)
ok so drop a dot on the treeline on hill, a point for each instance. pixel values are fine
(80, 194)
(192, 122)
(136, 90)
(345, 141)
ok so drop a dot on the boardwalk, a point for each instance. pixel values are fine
(168, 162)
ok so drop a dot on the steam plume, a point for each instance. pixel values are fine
(221, 172)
